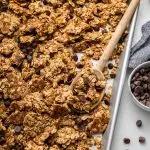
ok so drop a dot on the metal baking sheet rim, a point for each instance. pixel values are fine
(118, 87)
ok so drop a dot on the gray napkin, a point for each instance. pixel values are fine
(140, 52)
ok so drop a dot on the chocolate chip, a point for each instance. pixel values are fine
(70, 78)
(139, 123)
(148, 103)
(145, 86)
(2, 137)
(148, 86)
(142, 139)
(112, 75)
(145, 78)
(132, 86)
(82, 98)
(29, 58)
(79, 65)
(7, 102)
(137, 82)
(37, 71)
(75, 57)
(99, 88)
(17, 129)
(126, 140)
(110, 65)
(86, 80)
(60, 82)
(18, 147)
(142, 71)
(138, 89)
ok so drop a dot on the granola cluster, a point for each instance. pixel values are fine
(39, 42)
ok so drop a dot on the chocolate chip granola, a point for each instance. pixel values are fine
(39, 40)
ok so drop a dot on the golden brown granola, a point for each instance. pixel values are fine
(39, 42)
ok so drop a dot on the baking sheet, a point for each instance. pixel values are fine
(128, 112)
(117, 87)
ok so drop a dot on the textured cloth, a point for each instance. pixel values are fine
(140, 52)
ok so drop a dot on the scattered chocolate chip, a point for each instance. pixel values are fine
(29, 58)
(17, 129)
(75, 57)
(126, 140)
(37, 71)
(138, 89)
(99, 88)
(18, 147)
(7, 102)
(61, 82)
(110, 65)
(137, 82)
(112, 75)
(2, 137)
(148, 86)
(70, 78)
(142, 139)
(147, 103)
(142, 71)
(139, 123)
(82, 98)
(132, 86)
(145, 86)
(79, 65)
(86, 80)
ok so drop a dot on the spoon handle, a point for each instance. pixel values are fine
(108, 50)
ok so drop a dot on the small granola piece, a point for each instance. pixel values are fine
(65, 136)
(30, 145)
(8, 46)
(9, 23)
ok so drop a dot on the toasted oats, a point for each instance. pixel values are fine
(39, 40)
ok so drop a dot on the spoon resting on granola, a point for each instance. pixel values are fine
(108, 50)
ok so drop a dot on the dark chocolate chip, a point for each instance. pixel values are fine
(29, 58)
(99, 88)
(146, 96)
(138, 89)
(2, 134)
(148, 86)
(7, 102)
(142, 139)
(110, 65)
(132, 86)
(139, 123)
(70, 78)
(137, 82)
(79, 65)
(61, 82)
(145, 86)
(112, 75)
(106, 102)
(82, 98)
(145, 78)
(17, 129)
(148, 103)
(86, 80)
(2, 137)
(142, 71)
(18, 147)
(126, 140)
(75, 57)
(37, 71)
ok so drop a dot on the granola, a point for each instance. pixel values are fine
(39, 42)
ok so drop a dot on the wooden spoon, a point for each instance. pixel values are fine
(108, 50)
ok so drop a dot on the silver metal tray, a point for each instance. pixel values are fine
(117, 87)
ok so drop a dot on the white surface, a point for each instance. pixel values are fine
(128, 111)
